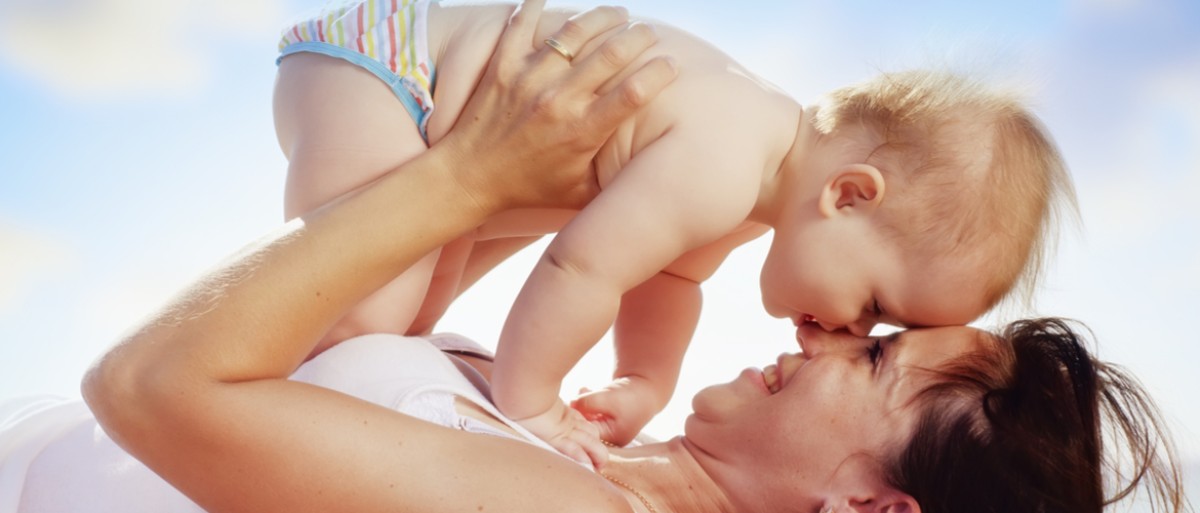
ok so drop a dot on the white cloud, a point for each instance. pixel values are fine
(101, 47)
(26, 259)
(1149, 180)
(1174, 90)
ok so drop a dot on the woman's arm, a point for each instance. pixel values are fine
(199, 394)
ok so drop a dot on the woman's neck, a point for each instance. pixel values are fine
(667, 477)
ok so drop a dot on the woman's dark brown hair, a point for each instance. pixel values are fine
(1036, 425)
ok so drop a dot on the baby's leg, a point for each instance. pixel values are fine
(461, 264)
(341, 128)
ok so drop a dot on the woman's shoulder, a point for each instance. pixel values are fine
(537, 481)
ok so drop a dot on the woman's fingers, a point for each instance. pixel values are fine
(636, 90)
(632, 93)
(585, 26)
(522, 25)
(613, 56)
(528, 134)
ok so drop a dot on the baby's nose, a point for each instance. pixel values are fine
(829, 326)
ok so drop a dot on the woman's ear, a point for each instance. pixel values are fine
(893, 501)
(852, 188)
(858, 488)
(887, 500)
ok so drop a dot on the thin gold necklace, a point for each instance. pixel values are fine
(625, 485)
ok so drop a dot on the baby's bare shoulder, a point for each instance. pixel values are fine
(729, 102)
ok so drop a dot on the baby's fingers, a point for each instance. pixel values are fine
(587, 437)
(581, 446)
(589, 442)
(582, 421)
(609, 429)
(572, 449)
(598, 403)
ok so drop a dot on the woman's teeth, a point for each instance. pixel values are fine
(771, 377)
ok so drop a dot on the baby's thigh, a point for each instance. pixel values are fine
(339, 126)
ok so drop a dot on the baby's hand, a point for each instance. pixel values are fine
(620, 410)
(566, 430)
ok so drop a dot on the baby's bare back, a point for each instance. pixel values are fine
(712, 90)
(715, 128)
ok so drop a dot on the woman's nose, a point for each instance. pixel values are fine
(862, 327)
(829, 326)
(814, 340)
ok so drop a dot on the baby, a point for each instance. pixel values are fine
(916, 198)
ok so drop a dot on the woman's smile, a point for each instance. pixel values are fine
(777, 374)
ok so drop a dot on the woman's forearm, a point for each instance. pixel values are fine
(257, 315)
(525, 138)
(197, 392)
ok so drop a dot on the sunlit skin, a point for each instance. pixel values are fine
(815, 423)
(831, 262)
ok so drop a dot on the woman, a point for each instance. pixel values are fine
(198, 393)
(830, 429)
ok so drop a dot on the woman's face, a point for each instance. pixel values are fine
(795, 434)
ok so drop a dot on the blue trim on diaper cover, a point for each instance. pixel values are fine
(400, 86)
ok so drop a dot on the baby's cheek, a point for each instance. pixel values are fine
(804, 295)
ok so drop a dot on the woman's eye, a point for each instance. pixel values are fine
(875, 351)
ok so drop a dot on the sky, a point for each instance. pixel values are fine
(137, 149)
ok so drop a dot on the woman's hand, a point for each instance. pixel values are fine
(198, 391)
(527, 136)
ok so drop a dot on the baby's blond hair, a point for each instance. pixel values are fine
(935, 126)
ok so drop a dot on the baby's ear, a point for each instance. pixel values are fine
(854, 188)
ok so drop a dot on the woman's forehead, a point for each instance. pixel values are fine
(918, 355)
(942, 343)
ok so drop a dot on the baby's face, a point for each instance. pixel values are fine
(843, 273)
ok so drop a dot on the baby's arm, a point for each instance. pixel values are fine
(653, 329)
(683, 191)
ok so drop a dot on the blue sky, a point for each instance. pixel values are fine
(135, 157)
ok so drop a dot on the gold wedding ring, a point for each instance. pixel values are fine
(560, 48)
